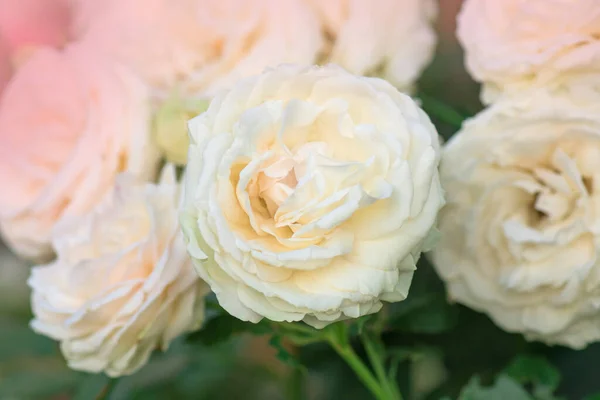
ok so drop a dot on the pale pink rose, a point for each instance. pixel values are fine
(512, 44)
(118, 290)
(26, 23)
(392, 39)
(200, 46)
(69, 122)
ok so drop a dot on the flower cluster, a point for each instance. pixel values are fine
(520, 232)
(295, 176)
(304, 191)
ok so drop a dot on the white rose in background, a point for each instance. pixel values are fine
(310, 194)
(511, 44)
(521, 228)
(122, 284)
(199, 46)
(391, 39)
(70, 121)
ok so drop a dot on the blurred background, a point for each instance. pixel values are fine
(452, 343)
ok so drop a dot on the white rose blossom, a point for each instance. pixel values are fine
(310, 194)
(391, 39)
(513, 44)
(521, 228)
(122, 284)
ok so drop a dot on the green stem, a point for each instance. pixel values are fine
(360, 369)
(389, 385)
(295, 387)
(105, 393)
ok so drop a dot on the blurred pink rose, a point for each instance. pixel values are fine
(200, 45)
(69, 122)
(5, 68)
(26, 23)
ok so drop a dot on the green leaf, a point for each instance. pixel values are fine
(93, 387)
(224, 326)
(283, 353)
(535, 370)
(429, 314)
(441, 111)
(592, 397)
(504, 388)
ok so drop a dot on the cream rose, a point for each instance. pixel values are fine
(69, 122)
(200, 46)
(510, 44)
(392, 39)
(521, 228)
(310, 194)
(122, 284)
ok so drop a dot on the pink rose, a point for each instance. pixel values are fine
(200, 46)
(69, 122)
(34, 22)
(26, 25)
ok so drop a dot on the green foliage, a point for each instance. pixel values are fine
(441, 110)
(30, 365)
(283, 353)
(526, 378)
(36, 378)
(223, 326)
(93, 387)
(536, 371)
(426, 310)
(193, 371)
(505, 388)
(427, 314)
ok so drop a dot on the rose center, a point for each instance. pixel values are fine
(561, 187)
(276, 183)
